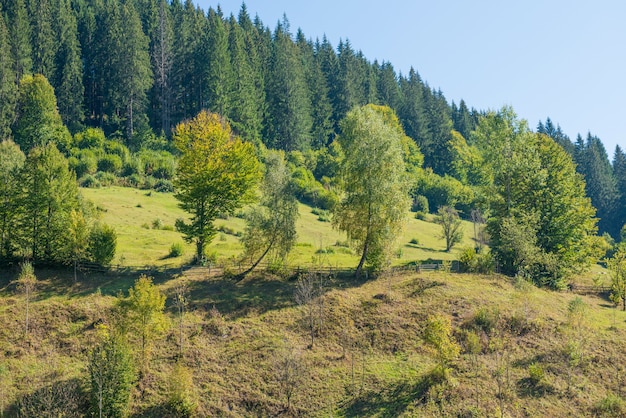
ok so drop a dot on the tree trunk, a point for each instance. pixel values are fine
(359, 268)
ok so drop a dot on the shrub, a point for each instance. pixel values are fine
(486, 320)
(420, 204)
(414, 241)
(89, 181)
(106, 179)
(181, 397)
(176, 249)
(164, 186)
(117, 148)
(536, 373)
(102, 243)
(90, 138)
(110, 163)
(611, 406)
(132, 166)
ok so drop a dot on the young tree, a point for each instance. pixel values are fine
(11, 163)
(38, 120)
(102, 244)
(26, 284)
(78, 241)
(143, 314)
(308, 295)
(373, 175)
(451, 224)
(438, 335)
(272, 225)
(217, 173)
(617, 270)
(112, 375)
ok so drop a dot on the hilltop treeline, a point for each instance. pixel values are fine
(136, 68)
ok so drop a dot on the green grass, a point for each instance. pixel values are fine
(129, 211)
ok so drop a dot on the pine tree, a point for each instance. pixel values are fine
(388, 88)
(437, 155)
(162, 64)
(219, 77)
(69, 78)
(290, 122)
(20, 39)
(593, 164)
(44, 44)
(412, 112)
(463, 121)
(350, 81)
(8, 88)
(244, 112)
(619, 173)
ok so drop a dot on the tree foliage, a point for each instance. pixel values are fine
(373, 176)
(271, 227)
(216, 174)
(448, 218)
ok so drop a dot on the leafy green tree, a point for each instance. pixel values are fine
(11, 163)
(102, 244)
(217, 173)
(617, 270)
(143, 315)
(373, 175)
(448, 218)
(438, 335)
(49, 193)
(78, 238)
(38, 121)
(112, 376)
(534, 182)
(8, 88)
(271, 226)
(26, 284)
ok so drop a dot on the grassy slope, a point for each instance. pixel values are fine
(131, 210)
(237, 333)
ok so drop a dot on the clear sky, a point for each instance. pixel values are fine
(563, 59)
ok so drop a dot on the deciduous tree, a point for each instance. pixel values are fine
(373, 175)
(217, 173)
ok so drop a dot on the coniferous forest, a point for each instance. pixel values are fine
(163, 96)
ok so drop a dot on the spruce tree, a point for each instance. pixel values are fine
(219, 76)
(162, 64)
(8, 88)
(19, 28)
(69, 78)
(289, 126)
(619, 173)
(44, 44)
(388, 89)
(412, 112)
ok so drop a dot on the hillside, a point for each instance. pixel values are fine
(134, 213)
(368, 357)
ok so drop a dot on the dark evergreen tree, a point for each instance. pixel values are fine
(593, 164)
(162, 56)
(244, 109)
(8, 88)
(462, 119)
(387, 87)
(557, 134)
(289, 125)
(19, 29)
(328, 62)
(412, 111)
(437, 154)
(44, 44)
(619, 172)
(68, 81)
(350, 79)
(219, 76)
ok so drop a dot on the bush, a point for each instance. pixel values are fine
(414, 241)
(486, 320)
(473, 262)
(110, 163)
(157, 223)
(536, 373)
(102, 243)
(181, 397)
(90, 138)
(89, 181)
(117, 148)
(176, 249)
(106, 179)
(420, 204)
(132, 166)
(164, 186)
(611, 406)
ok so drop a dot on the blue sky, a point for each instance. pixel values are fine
(556, 58)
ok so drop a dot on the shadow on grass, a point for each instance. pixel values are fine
(257, 293)
(390, 401)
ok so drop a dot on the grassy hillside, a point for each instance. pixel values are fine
(134, 213)
(368, 357)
